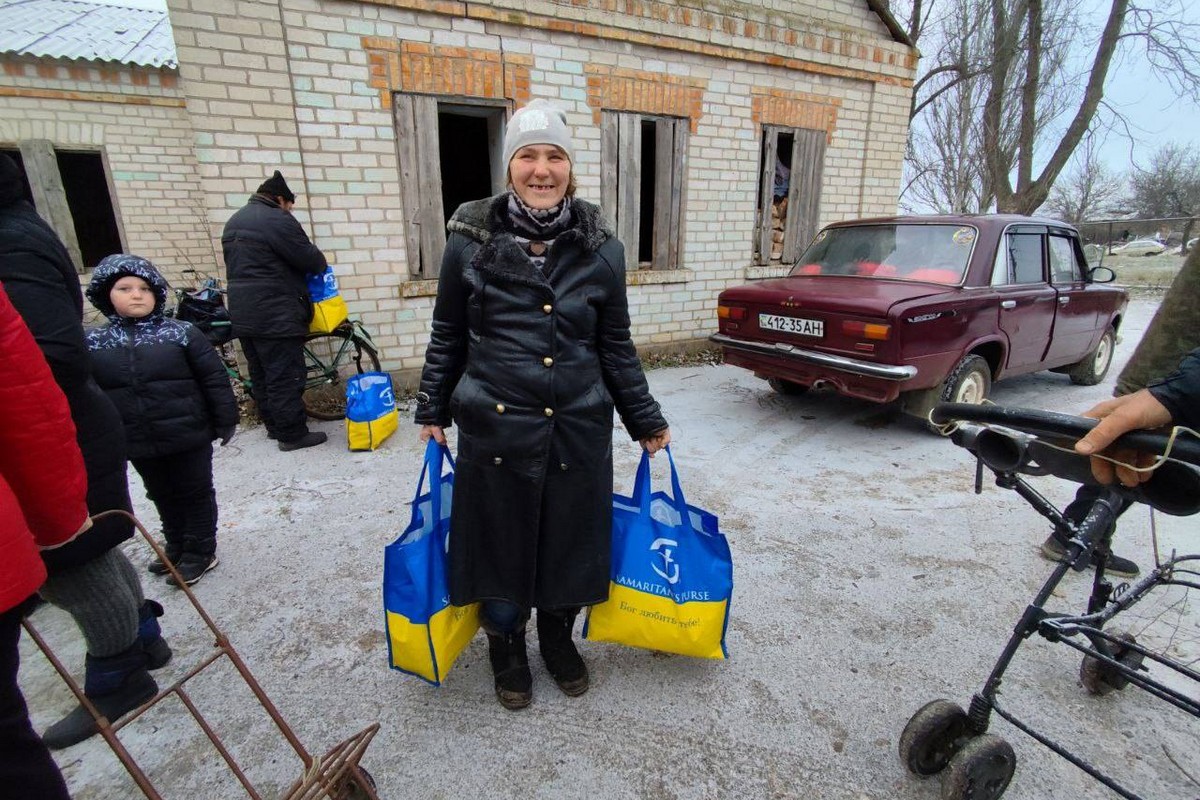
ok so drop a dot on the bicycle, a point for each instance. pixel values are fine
(330, 358)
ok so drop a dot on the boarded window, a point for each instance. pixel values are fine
(449, 152)
(70, 190)
(643, 167)
(789, 193)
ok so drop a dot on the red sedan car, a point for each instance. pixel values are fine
(926, 309)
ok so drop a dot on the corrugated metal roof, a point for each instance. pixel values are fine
(86, 31)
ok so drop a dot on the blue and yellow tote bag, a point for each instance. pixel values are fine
(371, 414)
(329, 309)
(672, 575)
(425, 633)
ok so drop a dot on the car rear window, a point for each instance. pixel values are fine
(929, 253)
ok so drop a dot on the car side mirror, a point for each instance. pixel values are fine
(1101, 275)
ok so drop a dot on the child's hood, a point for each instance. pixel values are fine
(111, 269)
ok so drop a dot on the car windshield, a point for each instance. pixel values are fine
(930, 253)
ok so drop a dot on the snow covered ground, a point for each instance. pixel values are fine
(869, 579)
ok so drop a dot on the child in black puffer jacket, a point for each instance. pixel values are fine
(174, 397)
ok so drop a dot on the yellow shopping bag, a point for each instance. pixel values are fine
(329, 309)
(672, 575)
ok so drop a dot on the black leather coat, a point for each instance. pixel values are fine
(44, 288)
(1180, 391)
(530, 365)
(267, 259)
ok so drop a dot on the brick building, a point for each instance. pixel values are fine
(696, 123)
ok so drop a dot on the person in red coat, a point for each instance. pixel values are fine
(43, 490)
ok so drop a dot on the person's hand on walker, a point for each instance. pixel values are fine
(1131, 412)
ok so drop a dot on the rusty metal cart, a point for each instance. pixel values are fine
(336, 775)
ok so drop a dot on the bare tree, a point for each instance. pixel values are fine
(1170, 187)
(1086, 190)
(1035, 114)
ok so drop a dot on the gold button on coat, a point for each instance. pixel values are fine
(497, 461)
(547, 308)
(549, 412)
(548, 361)
(499, 408)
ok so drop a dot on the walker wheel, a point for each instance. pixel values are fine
(931, 738)
(981, 770)
(1100, 678)
(357, 784)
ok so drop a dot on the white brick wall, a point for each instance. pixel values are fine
(313, 114)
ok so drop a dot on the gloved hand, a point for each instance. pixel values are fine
(225, 434)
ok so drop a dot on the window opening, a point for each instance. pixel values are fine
(642, 177)
(789, 193)
(1025, 249)
(449, 152)
(465, 159)
(86, 187)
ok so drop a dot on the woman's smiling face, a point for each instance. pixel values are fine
(540, 175)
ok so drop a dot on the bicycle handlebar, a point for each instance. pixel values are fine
(1064, 427)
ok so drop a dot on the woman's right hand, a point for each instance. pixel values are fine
(435, 431)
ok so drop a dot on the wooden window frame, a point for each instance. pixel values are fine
(803, 197)
(40, 158)
(415, 117)
(621, 180)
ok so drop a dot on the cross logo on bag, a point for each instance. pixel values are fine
(663, 548)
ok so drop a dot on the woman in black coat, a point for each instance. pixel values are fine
(529, 354)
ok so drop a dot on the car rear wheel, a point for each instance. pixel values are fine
(1092, 369)
(969, 382)
(781, 386)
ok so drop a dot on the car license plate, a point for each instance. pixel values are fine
(796, 325)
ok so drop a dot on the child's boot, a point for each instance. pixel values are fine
(116, 685)
(158, 652)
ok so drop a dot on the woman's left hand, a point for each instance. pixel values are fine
(656, 441)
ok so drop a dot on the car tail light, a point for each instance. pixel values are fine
(867, 330)
(732, 313)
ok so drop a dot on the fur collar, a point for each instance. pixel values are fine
(500, 255)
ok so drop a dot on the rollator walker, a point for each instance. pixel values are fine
(942, 737)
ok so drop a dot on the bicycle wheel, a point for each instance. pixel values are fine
(331, 359)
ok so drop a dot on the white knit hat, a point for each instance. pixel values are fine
(540, 122)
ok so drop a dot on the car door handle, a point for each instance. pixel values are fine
(1062, 301)
(1008, 304)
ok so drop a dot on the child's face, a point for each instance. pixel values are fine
(132, 297)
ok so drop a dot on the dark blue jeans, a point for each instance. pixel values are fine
(25, 763)
(500, 617)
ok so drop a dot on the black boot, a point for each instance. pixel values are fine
(116, 685)
(510, 666)
(173, 552)
(559, 653)
(158, 652)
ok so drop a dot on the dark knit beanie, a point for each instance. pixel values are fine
(276, 186)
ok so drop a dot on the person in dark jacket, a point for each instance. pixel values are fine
(43, 491)
(267, 259)
(530, 352)
(173, 393)
(89, 577)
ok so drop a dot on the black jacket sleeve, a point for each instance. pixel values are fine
(446, 355)
(52, 309)
(619, 364)
(289, 241)
(1180, 391)
(212, 379)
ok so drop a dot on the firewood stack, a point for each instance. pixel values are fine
(778, 218)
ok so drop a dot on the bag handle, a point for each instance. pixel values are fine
(641, 489)
(432, 466)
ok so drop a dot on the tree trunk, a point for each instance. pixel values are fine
(1173, 333)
